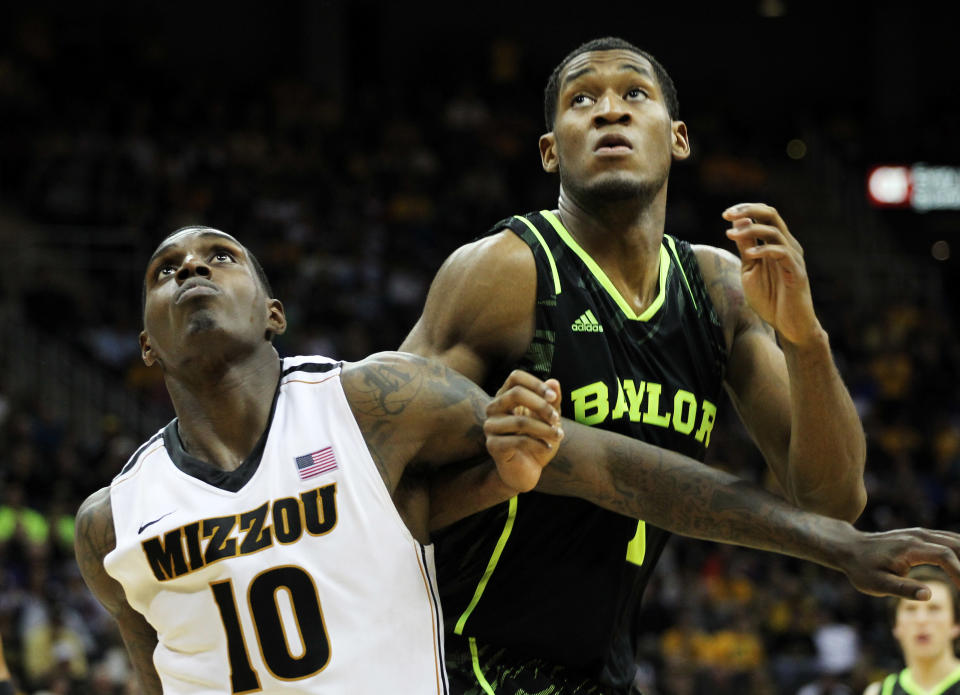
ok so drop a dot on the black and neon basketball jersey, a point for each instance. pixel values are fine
(559, 578)
(903, 684)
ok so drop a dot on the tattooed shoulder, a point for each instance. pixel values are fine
(95, 537)
(401, 401)
(95, 532)
(385, 383)
(721, 274)
(720, 270)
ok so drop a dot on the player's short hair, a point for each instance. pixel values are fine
(258, 270)
(609, 43)
(927, 574)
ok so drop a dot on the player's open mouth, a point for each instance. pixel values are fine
(613, 144)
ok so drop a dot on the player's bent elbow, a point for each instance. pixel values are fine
(838, 504)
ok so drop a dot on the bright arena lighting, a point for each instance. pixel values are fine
(889, 186)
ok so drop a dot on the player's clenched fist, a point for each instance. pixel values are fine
(523, 428)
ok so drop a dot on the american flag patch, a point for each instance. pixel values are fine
(310, 465)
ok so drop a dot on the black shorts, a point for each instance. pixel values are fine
(478, 669)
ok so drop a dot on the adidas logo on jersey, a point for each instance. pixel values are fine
(587, 323)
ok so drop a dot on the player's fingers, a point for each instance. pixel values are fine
(553, 385)
(757, 233)
(886, 584)
(519, 462)
(523, 402)
(511, 425)
(762, 214)
(510, 448)
(743, 242)
(519, 377)
(786, 259)
(935, 554)
(758, 211)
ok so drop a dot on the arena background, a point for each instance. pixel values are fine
(353, 145)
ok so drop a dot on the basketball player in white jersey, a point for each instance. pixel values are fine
(273, 536)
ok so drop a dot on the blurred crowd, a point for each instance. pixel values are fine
(352, 206)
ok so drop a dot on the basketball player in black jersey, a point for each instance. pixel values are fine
(645, 332)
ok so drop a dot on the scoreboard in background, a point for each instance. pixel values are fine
(921, 187)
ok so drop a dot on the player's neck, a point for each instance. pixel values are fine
(623, 238)
(221, 415)
(928, 673)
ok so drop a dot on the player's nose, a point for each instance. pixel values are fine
(192, 265)
(610, 109)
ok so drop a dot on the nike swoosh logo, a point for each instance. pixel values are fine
(151, 523)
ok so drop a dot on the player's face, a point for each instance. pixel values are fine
(926, 628)
(200, 285)
(612, 132)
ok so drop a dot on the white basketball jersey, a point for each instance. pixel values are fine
(293, 573)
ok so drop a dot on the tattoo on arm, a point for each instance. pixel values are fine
(726, 291)
(95, 537)
(686, 497)
(406, 404)
(387, 389)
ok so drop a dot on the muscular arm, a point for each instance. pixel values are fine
(478, 318)
(791, 400)
(479, 312)
(94, 539)
(416, 416)
(682, 495)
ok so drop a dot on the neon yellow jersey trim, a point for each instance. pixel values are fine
(888, 684)
(673, 247)
(487, 688)
(637, 548)
(910, 685)
(553, 264)
(491, 566)
(602, 276)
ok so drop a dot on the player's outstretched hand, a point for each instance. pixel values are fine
(523, 428)
(773, 271)
(875, 563)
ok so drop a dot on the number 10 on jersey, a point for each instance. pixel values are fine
(271, 637)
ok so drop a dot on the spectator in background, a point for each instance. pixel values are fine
(926, 631)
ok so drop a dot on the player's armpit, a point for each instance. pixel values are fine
(95, 537)
(479, 313)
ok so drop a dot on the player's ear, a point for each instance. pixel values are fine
(548, 153)
(954, 631)
(276, 318)
(680, 144)
(146, 351)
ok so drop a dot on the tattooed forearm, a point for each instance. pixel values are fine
(682, 495)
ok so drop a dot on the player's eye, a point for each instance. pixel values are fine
(581, 100)
(636, 93)
(223, 257)
(166, 269)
